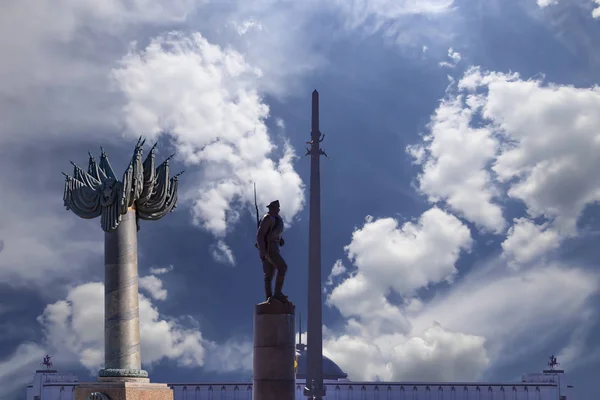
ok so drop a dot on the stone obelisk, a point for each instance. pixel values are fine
(314, 354)
(143, 193)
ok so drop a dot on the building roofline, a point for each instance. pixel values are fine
(62, 383)
(355, 383)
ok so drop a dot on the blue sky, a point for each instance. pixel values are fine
(459, 205)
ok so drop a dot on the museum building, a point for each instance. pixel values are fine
(547, 385)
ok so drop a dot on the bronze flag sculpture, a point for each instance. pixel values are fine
(144, 192)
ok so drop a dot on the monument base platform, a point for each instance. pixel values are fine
(124, 390)
(274, 351)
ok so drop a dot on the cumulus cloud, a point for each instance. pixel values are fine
(206, 98)
(527, 242)
(539, 139)
(71, 329)
(153, 286)
(548, 156)
(437, 355)
(378, 332)
(75, 42)
(402, 259)
(596, 11)
(388, 255)
(495, 135)
(462, 330)
(454, 156)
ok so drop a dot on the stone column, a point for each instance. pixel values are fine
(274, 352)
(121, 310)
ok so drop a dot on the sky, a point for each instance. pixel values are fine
(459, 200)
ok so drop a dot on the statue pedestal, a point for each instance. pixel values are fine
(134, 389)
(274, 351)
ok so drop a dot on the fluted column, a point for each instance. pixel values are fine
(121, 308)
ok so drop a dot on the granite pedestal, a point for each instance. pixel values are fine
(274, 351)
(124, 390)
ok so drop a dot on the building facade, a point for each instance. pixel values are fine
(548, 385)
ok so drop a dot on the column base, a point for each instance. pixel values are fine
(122, 373)
(120, 390)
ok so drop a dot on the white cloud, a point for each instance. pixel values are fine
(374, 14)
(206, 98)
(540, 140)
(76, 42)
(595, 10)
(280, 123)
(233, 355)
(435, 355)
(16, 370)
(454, 57)
(50, 245)
(71, 328)
(222, 253)
(489, 318)
(549, 154)
(161, 271)
(153, 286)
(337, 270)
(454, 157)
(247, 25)
(493, 316)
(526, 242)
(401, 259)
(530, 303)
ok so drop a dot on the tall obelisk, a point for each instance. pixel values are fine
(314, 353)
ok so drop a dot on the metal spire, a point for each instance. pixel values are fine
(314, 354)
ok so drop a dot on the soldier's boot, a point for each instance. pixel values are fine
(278, 286)
(268, 290)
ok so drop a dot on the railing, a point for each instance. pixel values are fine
(61, 378)
(379, 391)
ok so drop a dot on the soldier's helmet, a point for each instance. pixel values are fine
(273, 204)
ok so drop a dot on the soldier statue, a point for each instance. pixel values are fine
(269, 240)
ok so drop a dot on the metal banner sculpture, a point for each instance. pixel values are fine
(144, 192)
